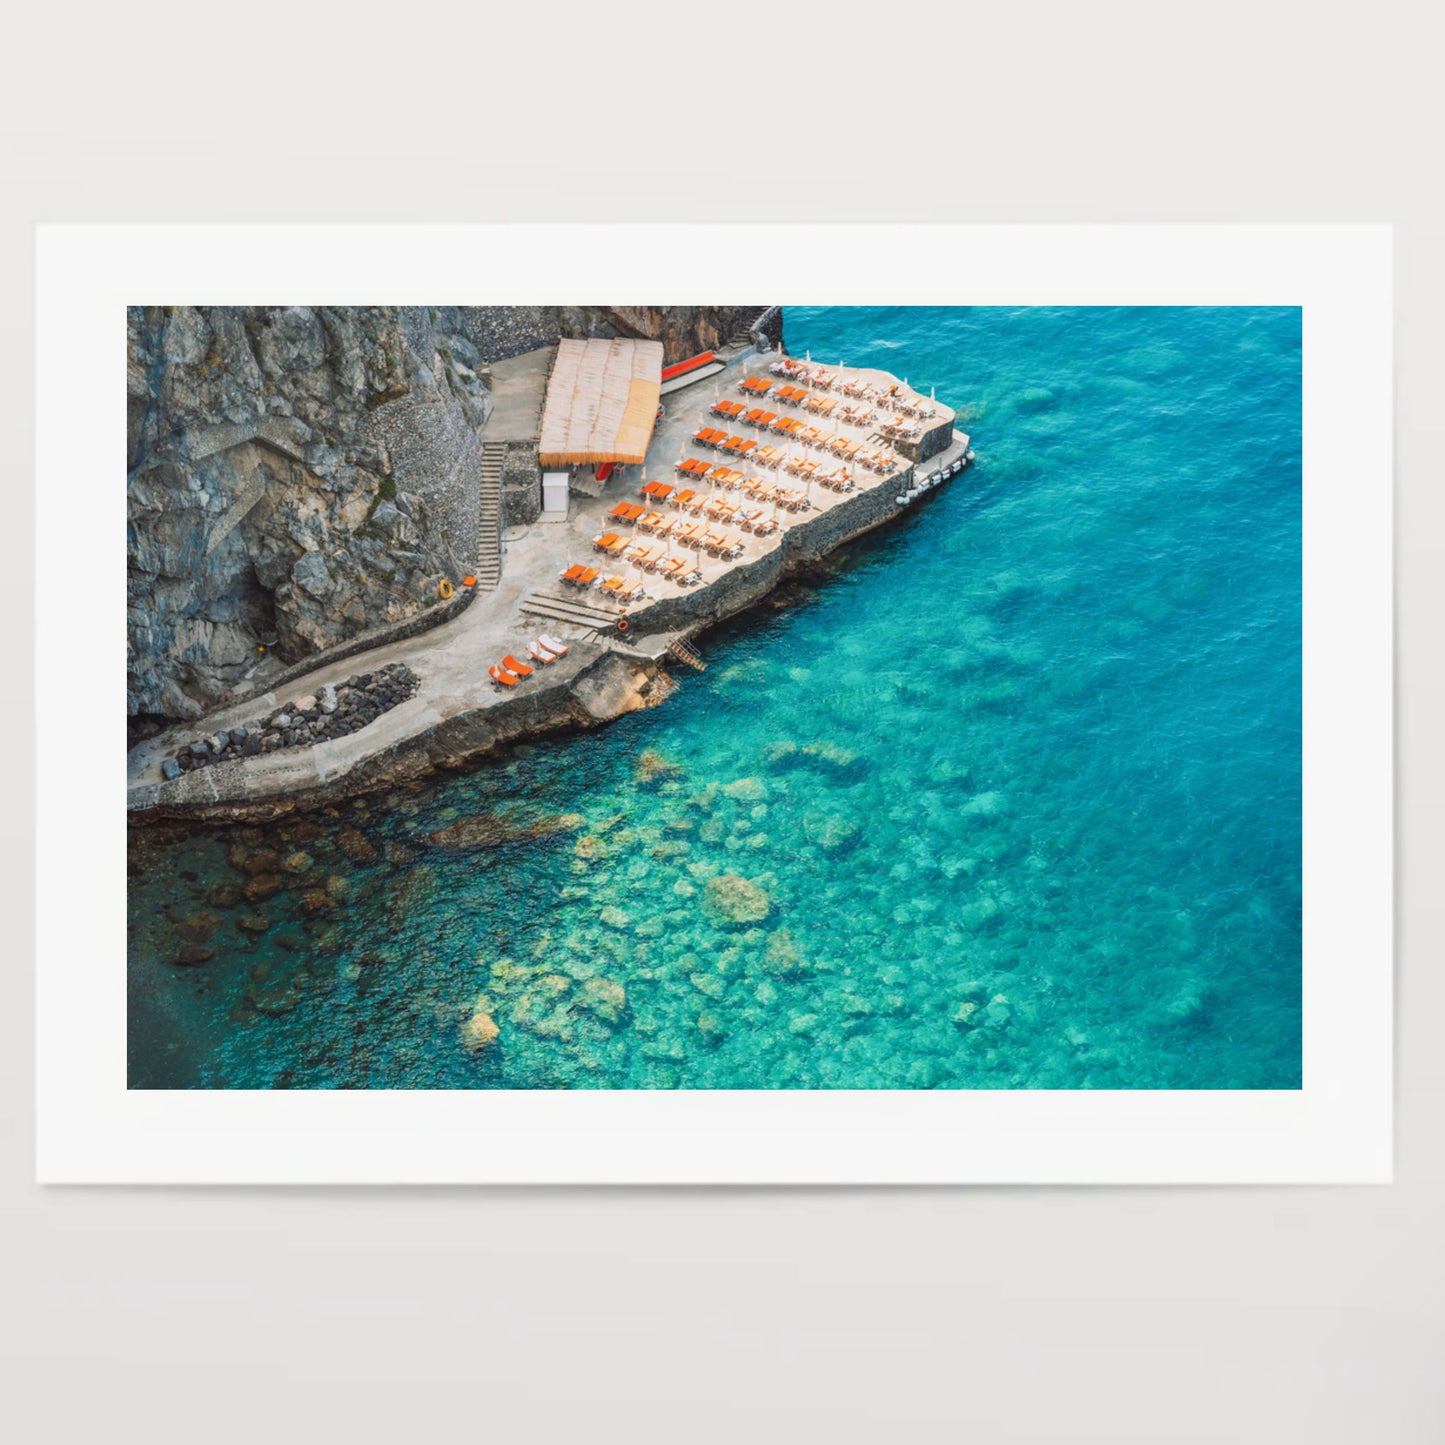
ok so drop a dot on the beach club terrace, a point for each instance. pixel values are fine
(733, 465)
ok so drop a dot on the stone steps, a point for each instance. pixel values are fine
(567, 609)
(489, 517)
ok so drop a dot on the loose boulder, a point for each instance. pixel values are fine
(733, 899)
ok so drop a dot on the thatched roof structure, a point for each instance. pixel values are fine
(601, 402)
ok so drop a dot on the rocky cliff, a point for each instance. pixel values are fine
(296, 475)
(502, 331)
(300, 475)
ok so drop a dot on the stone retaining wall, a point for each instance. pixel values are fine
(936, 439)
(521, 485)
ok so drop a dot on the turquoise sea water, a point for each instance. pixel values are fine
(1020, 781)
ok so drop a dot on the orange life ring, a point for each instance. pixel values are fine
(446, 590)
(622, 624)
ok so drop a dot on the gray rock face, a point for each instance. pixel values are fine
(277, 460)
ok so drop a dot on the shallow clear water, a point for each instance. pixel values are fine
(1033, 749)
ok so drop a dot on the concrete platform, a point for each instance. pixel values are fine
(519, 386)
(452, 660)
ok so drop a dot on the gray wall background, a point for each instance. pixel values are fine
(1109, 1315)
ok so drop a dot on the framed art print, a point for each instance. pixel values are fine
(869, 704)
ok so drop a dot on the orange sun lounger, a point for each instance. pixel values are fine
(502, 676)
(572, 574)
(757, 384)
(520, 668)
(627, 511)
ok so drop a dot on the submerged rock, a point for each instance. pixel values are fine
(711, 1029)
(198, 927)
(783, 957)
(746, 790)
(831, 832)
(652, 767)
(192, 954)
(266, 861)
(732, 898)
(603, 998)
(266, 885)
(355, 845)
(273, 1001)
(492, 830)
(227, 895)
(833, 756)
(480, 1030)
(253, 923)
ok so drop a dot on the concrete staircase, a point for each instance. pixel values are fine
(489, 520)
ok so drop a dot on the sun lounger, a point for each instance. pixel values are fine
(758, 385)
(539, 654)
(572, 573)
(520, 668)
(682, 498)
(502, 677)
(612, 542)
(557, 649)
(660, 490)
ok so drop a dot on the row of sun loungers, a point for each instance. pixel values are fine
(649, 556)
(819, 378)
(879, 460)
(543, 652)
(722, 441)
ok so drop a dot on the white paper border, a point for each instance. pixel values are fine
(1337, 1128)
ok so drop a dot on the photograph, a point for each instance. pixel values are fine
(851, 697)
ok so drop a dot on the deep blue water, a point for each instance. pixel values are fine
(1021, 783)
